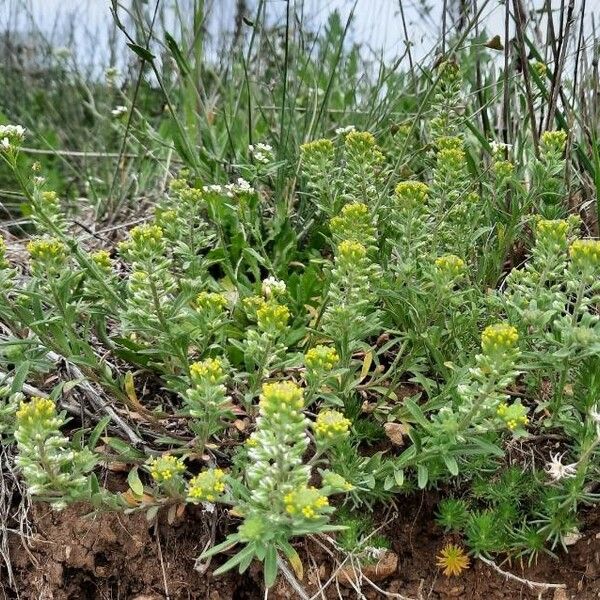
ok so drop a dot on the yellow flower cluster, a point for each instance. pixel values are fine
(351, 252)
(449, 143)
(552, 230)
(47, 249)
(513, 415)
(305, 502)
(500, 338)
(165, 217)
(164, 468)
(539, 67)
(209, 370)
(585, 254)
(336, 482)
(331, 425)
(503, 168)
(360, 140)
(50, 198)
(554, 141)
(143, 234)
(449, 71)
(411, 194)
(353, 223)
(315, 148)
(321, 358)
(450, 265)
(190, 195)
(102, 259)
(280, 396)
(207, 485)
(37, 410)
(452, 159)
(272, 317)
(211, 301)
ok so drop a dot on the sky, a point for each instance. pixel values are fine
(377, 23)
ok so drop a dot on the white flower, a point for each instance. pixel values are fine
(345, 130)
(118, 111)
(262, 153)
(557, 470)
(11, 135)
(273, 287)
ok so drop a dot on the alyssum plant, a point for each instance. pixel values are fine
(279, 340)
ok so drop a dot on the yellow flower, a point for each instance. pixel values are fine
(164, 468)
(353, 223)
(38, 409)
(449, 143)
(453, 559)
(272, 317)
(321, 358)
(450, 265)
(503, 168)
(351, 252)
(411, 194)
(282, 395)
(190, 195)
(331, 426)
(47, 249)
(50, 198)
(207, 486)
(209, 370)
(322, 147)
(500, 338)
(102, 259)
(514, 415)
(360, 139)
(552, 230)
(554, 141)
(585, 254)
(336, 482)
(305, 502)
(211, 301)
(540, 68)
(452, 159)
(142, 234)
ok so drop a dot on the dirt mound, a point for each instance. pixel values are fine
(77, 555)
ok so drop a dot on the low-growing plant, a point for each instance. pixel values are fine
(294, 363)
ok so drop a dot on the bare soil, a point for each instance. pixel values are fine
(78, 555)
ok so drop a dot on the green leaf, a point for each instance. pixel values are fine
(270, 566)
(235, 560)
(451, 463)
(293, 558)
(422, 476)
(19, 377)
(97, 432)
(143, 53)
(399, 477)
(125, 451)
(230, 542)
(180, 59)
(133, 479)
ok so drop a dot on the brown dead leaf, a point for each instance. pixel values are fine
(396, 432)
